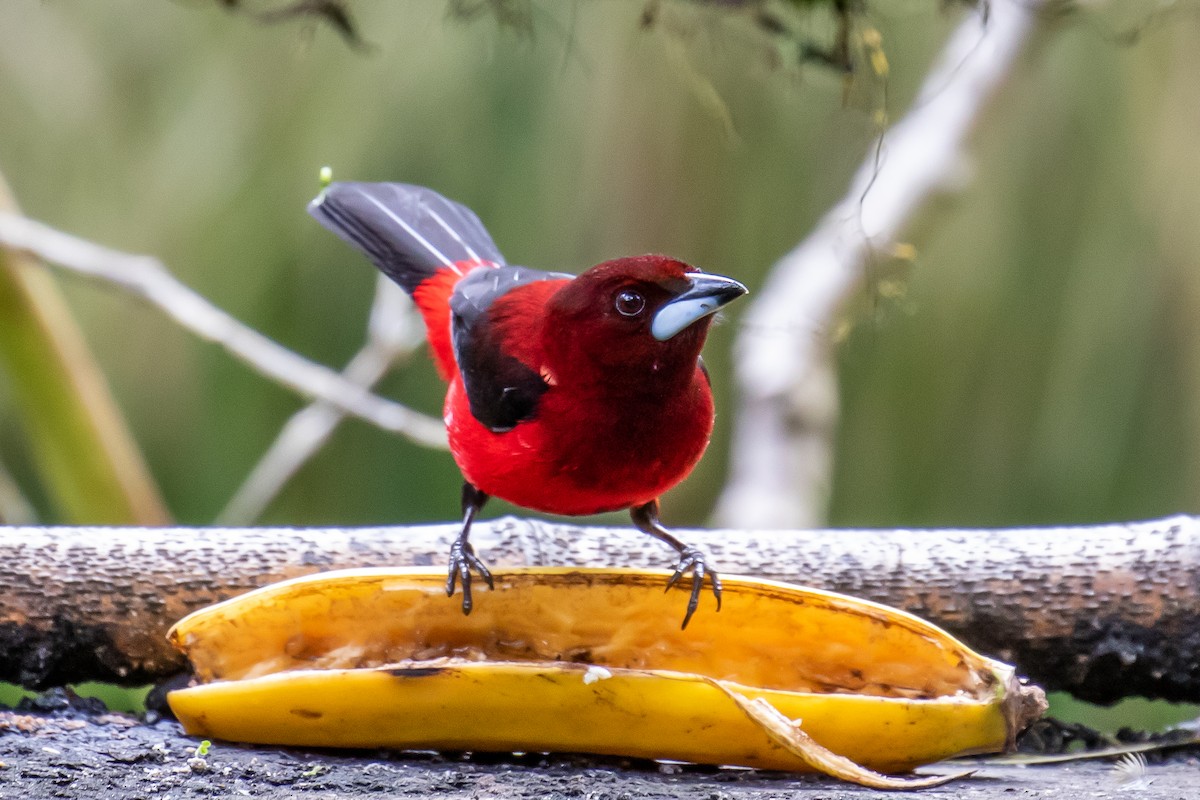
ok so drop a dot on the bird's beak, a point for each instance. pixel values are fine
(706, 295)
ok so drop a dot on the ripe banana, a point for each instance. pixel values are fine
(573, 660)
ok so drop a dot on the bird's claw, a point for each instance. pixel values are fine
(692, 559)
(462, 561)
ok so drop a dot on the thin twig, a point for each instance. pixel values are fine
(393, 333)
(146, 277)
(781, 460)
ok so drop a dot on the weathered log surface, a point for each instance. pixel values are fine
(1103, 612)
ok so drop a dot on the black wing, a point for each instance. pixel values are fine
(502, 391)
(409, 232)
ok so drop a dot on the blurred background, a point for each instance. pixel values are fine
(1036, 363)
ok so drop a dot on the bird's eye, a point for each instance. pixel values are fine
(629, 303)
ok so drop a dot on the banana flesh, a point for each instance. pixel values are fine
(594, 661)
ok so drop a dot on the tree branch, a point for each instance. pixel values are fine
(148, 279)
(1102, 611)
(781, 457)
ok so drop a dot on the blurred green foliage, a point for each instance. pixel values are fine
(1136, 713)
(196, 135)
(1039, 367)
(128, 699)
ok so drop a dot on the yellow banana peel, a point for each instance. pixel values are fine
(580, 660)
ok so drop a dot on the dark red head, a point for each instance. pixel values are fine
(645, 316)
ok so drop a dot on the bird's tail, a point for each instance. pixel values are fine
(409, 232)
(416, 237)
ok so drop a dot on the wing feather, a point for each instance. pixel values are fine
(409, 232)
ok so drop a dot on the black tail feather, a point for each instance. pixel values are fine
(408, 232)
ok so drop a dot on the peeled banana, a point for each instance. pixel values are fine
(582, 660)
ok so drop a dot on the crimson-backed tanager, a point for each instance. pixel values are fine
(568, 395)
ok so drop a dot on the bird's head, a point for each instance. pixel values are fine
(645, 314)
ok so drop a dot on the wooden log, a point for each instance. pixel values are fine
(1103, 612)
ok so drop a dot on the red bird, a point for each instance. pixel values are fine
(568, 395)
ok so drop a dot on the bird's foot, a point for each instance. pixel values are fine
(692, 559)
(462, 561)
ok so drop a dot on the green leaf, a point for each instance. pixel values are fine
(88, 461)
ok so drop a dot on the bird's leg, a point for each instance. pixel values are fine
(462, 555)
(691, 559)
